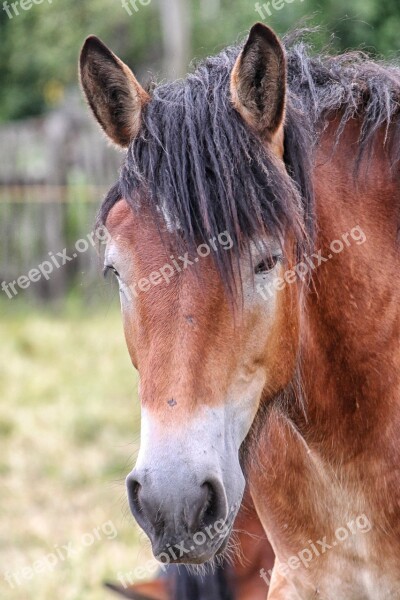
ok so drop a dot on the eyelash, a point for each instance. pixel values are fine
(267, 264)
(109, 268)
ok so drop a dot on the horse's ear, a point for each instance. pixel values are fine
(258, 82)
(112, 91)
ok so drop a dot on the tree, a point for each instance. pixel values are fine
(39, 48)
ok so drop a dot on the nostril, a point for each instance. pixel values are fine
(211, 508)
(135, 496)
(134, 488)
(142, 508)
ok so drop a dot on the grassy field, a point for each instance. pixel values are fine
(69, 422)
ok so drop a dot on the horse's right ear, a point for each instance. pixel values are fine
(112, 91)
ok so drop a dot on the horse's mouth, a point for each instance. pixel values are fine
(193, 552)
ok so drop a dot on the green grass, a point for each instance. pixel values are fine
(69, 423)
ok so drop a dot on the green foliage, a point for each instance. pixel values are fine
(40, 46)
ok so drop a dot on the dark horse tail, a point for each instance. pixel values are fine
(182, 584)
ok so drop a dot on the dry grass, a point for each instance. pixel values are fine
(68, 436)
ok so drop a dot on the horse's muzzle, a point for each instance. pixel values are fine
(186, 520)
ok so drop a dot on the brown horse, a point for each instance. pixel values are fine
(255, 238)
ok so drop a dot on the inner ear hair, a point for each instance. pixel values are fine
(258, 82)
(112, 91)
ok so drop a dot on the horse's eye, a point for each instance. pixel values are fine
(266, 265)
(109, 268)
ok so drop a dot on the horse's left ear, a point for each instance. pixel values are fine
(258, 82)
(112, 91)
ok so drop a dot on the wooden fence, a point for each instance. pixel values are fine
(54, 172)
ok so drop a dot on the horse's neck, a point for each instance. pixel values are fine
(350, 346)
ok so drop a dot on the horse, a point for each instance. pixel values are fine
(255, 238)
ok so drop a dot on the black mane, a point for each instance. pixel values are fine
(197, 165)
